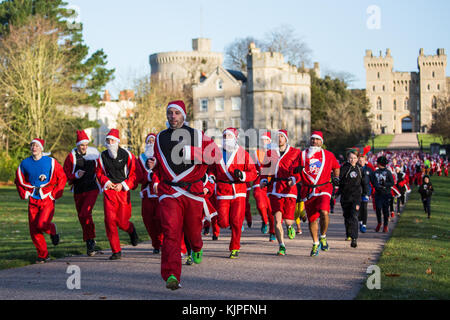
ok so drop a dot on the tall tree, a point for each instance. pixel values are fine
(441, 119)
(88, 73)
(236, 53)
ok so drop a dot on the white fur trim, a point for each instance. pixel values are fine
(317, 137)
(113, 138)
(125, 186)
(82, 141)
(244, 176)
(283, 134)
(38, 143)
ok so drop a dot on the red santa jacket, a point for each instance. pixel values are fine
(143, 178)
(278, 169)
(316, 172)
(70, 164)
(203, 152)
(227, 186)
(53, 189)
(129, 170)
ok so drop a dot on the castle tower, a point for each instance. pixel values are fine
(264, 88)
(432, 84)
(379, 89)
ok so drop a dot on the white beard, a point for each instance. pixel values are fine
(313, 150)
(112, 150)
(149, 150)
(229, 144)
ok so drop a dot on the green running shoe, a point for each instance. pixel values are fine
(172, 283)
(348, 239)
(281, 251)
(315, 250)
(291, 232)
(189, 261)
(324, 244)
(234, 254)
(197, 256)
(272, 237)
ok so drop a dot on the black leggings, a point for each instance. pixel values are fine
(382, 204)
(427, 205)
(350, 219)
(362, 214)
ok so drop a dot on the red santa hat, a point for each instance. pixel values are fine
(82, 137)
(232, 131)
(39, 142)
(179, 105)
(317, 135)
(267, 135)
(284, 133)
(113, 134)
(147, 139)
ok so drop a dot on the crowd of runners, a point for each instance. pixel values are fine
(192, 187)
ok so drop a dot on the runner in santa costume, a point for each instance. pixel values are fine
(116, 173)
(260, 194)
(148, 195)
(282, 192)
(182, 156)
(40, 180)
(231, 174)
(316, 165)
(80, 168)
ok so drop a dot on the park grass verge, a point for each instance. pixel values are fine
(427, 140)
(415, 261)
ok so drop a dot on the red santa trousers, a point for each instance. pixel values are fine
(232, 213)
(285, 205)
(179, 216)
(262, 204)
(316, 204)
(248, 210)
(117, 208)
(152, 221)
(40, 215)
(84, 203)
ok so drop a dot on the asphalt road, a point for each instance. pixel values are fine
(258, 274)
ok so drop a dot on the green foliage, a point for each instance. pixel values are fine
(8, 166)
(340, 113)
(88, 73)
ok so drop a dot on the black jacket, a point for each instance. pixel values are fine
(352, 183)
(382, 180)
(426, 190)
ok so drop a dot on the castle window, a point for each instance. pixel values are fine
(220, 84)
(220, 124)
(373, 88)
(433, 74)
(380, 117)
(384, 88)
(379, 104)
(395, 105)
(235, 103)
(406, 105)
(434, 103)
(428, 87)
(220, 104)
(394, 88)
(406, 88)
(378, 75)
(439, 87)
(203, 105)
(236, 122)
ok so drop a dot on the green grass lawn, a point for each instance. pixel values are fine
(381, 142)
(16, 247)
(428, 139)
(415, 261)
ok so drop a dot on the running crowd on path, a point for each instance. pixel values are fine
(190, 186)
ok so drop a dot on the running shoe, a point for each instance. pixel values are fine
(116, 256)
(354, 244)
(315, 250)
(206, 231)
(156, 251)
(324, 244)
(172, 283)
(134, 237)
(299, 232)
(215, 238)
(90, 246)
(272, 237)
(392, 214)
(385, 229)
(281, 251)
(55, 239)
(348, 239)
(242, 229)
(264, 228)
(189, 261)
(363, 228)
(42, 260)
(234, 254)
(197, 256)
(303, 215)
(377, 229)
(291, 232)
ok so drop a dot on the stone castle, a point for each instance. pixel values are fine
(269, 95)
(405, 101)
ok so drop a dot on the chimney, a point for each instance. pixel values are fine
(126, 95)
(106, 96)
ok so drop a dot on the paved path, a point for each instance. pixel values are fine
(258, 274)
(405, 141)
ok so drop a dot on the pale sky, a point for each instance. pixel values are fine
(337, 32)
